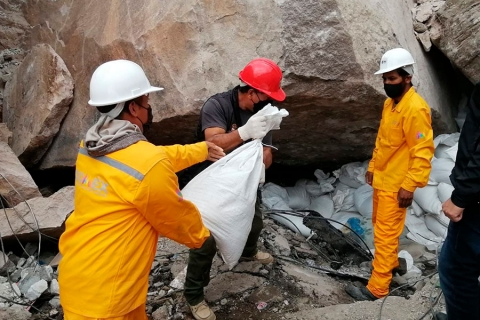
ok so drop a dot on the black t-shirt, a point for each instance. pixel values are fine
(218, 112)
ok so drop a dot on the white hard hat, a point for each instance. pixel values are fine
(395, 59)
(118, 81)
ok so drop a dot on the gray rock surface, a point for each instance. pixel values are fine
(460, 35)
(12, 30)
(37, 98)
(50, 214)
(16, 183)
(5, 134)
(231, 283)
(453, 27)
(328, 50)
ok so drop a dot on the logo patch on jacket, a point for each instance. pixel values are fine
(94, 184)
(420, 135)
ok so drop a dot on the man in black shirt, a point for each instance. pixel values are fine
(459, 264)
(226, 120)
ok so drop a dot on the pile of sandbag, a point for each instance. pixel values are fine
(345, 197)
(428, 200)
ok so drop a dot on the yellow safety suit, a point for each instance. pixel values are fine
(123, 202)
(401, 159)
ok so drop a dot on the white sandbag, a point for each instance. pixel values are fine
(441, 170)
(225, 192)
(427, 199)
(343, 198)
(323, 205)
(270, 189)
(343, 217)
(292, 222)
(444, 191)
(363, 198)
(313, 188)
(448, 139)
(437, 227)
(325, 181)
(419, 232)
(353, 174)
(441, 152)
(298, 197)
(452, 152)
(275, 203)
(416, 209)
(274, 197)
(443, 219)
(225, 195)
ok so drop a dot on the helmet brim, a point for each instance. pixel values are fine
(100, 104)
(382, 71)
(278, 95)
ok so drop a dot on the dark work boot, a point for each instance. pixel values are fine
(360, 293)
(402, 267)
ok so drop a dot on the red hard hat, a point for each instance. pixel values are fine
(265, 76)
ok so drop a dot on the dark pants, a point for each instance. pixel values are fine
(459, 267)
(200, 260)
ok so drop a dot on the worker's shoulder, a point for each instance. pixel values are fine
(141, 156)
(417, 103)
(220, 100)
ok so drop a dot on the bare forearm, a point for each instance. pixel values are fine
(226, 141)
(267, 157)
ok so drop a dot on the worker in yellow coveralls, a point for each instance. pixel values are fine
(400, 164)
(126, 195)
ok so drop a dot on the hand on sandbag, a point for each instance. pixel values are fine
(369, 177)
(452, 212)
(214, 152)
(255, 128)
(404, 198)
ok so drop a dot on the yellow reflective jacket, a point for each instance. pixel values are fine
(404, 145)
(123, 202)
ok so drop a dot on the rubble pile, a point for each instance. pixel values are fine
(300, 279)
(29, 283)
(426, 24)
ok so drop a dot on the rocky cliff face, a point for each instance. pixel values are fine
(12, 29)
(453, 26)
(328, 50)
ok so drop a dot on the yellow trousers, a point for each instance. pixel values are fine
(388, 223)
(137, 314)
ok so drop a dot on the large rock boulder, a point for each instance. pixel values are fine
(46, 215)
(16, 184)
(5, 133)
(328, 50)
(37, 99)
(453, 27)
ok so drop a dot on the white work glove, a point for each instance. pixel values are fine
(255, 128)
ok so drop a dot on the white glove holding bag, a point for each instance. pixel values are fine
(255, 128)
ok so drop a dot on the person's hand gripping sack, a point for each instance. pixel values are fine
(255, 128)
(214, 152)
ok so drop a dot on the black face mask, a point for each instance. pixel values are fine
(147, 125)
(260, 105)
(394, 90)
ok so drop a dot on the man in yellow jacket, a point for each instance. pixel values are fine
(400, 164)
(126, 195)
